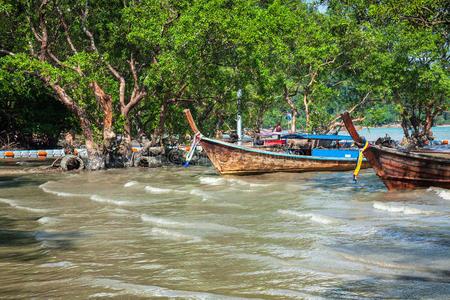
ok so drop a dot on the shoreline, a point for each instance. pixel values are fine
(399, 126)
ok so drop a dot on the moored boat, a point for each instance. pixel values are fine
(399, 169)
(229, 158)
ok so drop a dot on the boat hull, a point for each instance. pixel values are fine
(400, 169)
(232, 159)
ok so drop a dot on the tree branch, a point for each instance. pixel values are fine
(44, 36)
(333, 123)
(7, 52)
(59, 62)
(66, 30)
(94, 48)
(36, 35)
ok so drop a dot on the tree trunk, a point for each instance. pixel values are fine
(105, 101)
(162, 118)
(293, 121)
(308, 117)
(125, 146)
(287, 98)
(94, 163)
(429, 121)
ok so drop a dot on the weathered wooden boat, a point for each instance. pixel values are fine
(399, 169)
(235, 159)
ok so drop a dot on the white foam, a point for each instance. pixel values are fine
(444, 194)
(60, 194)
(47, 220)
(14, 204)
(106, 295)
(317, 218)
(130, 183)
(162, 222)
(147, 291)
(155, 190)
(199, 193)
(58, 264)
(174, 235)
(379, 263)
(401, 209)
(211, 180)
(101, 199)
(243, 182)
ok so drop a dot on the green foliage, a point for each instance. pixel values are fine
(199, 53)
(29, 115)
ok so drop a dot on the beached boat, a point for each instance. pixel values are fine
(229, 158)
(400, 169)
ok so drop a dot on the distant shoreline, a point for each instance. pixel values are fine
(399, 126)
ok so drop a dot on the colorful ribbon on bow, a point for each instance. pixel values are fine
(359, 162)
(197, 138)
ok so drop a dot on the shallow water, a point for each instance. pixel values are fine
(172, 233)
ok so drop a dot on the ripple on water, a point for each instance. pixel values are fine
(155, 190)
(163, 222)
(314, 217)
(199, 226)
(101, 199)
(147, 290)
(175, 235)
(204, 195)
(50, 220)
(60, 194)
(285, 241)
(211, 180)
(64, 264)
(407, 210)
(16, 205)
(130, 183)
(243, 182)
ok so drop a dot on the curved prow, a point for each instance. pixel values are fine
(352, 130)
(191, 122)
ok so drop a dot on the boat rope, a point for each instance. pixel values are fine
(197, 138)
(359, 162)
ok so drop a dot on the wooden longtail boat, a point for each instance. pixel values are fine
(399, 169)
(234, 159)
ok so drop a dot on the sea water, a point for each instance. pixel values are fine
(440, 133)
(175, 233)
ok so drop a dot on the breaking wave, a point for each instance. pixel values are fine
(211, 180)
(47, 220)
(401, 209)
(14, 204)
(243, 182)
(444, 194)
(167, 223)
(147, 291)
(130, 183)
(174, 235)
(317, 218)
(60, 194)
(204, 195)
(162, 222)
(155, 190)
(101, 199)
